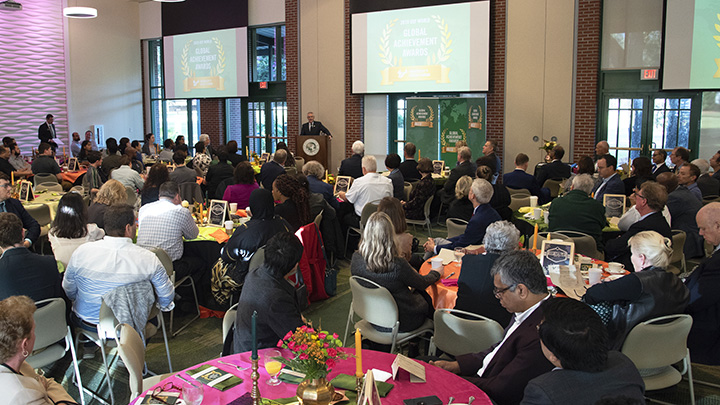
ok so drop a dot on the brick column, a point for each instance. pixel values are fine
(292, 71)
(495, 123)
(212, 121)
(587, 77)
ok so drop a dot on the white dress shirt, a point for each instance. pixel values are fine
(369, 188)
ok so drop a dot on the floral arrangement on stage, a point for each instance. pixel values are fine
(316, 352)
(548, 146)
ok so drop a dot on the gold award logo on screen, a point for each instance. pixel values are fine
(203, 63)
(415, 39)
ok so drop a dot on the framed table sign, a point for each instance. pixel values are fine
(217, 212)
(438, 166)
(72, 164)
(26, 191)
(342, 183)
(557, 252)
(614, 205)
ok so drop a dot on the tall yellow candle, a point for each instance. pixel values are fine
(247, 152)
(326, 175)
(419, 154)
(358, 354)
(548, 237)
(12, 178)
(535, 236)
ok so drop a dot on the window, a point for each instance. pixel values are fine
(268, 53)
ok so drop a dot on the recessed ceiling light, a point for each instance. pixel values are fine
(80, 12)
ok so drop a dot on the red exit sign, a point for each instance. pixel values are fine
(649, 74)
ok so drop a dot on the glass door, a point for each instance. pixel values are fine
(267, 125)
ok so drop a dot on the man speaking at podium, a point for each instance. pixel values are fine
(313, 127)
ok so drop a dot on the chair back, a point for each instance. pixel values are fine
(49, 187)
(318, 219)
(373, 302)
(426, 210)
(471, 334)
(41, 178)
(554, 235)
(257, 259)
(553, 186)
(455, 227)
(658, 342)
(584, 244)
(132, 352)
(131, 196)
(50, 324)
(191, 192)
(78, 189)
(518, 192)
(407, 189)
(367, 210)
(678, 245)
(229, 320)
(299, 163)
(41, 213)
(165, 260)
(107, 322)
(519, 200)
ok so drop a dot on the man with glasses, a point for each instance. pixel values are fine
(503, 370)
(313, 127)
(611, 182)
(679, 157)
(7, 204)
(659, 167)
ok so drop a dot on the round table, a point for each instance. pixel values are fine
(72, 177)
(439, 382)
(49, 198)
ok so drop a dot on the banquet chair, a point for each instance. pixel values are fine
(426, 221)
(78, 189)
(318, 219)
(55, 187)
(677, 260)
(41, 213)
(376, 306)
(192, 193)
(519, 200)
(41, 178)
(51, 328)
(519, 192)
(655, 345)
(131, 349)
(554, 186)
(299, 163)
(229, 320)
(455, 335)
(367, 210)
(584, 244)
(131, 196)
(186, 281)
(455, 227)
(407, 188)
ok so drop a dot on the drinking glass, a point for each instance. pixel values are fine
(192, 392)
(272, 366)
(459, 254)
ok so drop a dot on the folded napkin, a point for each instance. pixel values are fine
(214, 377)
(288, 378)
(242, 213)
(347, 382)
(449, 282)
(220, 235)
(246, 399)
(525, 210)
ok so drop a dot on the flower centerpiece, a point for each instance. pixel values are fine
(315, 354)
(548, 146)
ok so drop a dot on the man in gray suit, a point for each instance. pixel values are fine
(574, 339)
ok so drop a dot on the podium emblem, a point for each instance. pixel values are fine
(311, 147)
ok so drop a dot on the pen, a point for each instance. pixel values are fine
(450, 275)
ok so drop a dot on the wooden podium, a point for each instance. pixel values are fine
(314, 147)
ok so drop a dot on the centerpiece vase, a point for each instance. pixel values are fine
(316, 391)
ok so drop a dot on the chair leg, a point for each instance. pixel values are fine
(161, 318)
(690, 378)
(429, 225)
(197, 305)
(432, 349)
(347, 325)
(71, 345)
(107, 372)
(347, 237)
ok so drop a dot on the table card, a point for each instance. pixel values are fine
(168, 398)
(342, 183)
(416, 370)
(569, 279)
(26, 191)
(369, 394)
(614, 205)
(447, 256)
(265, 156)
(438, 166)
(557, 252)
(72, 164)
(216, 212)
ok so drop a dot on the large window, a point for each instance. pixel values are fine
(268, 53)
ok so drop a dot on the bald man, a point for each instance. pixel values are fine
(704, 284)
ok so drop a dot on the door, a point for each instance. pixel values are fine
(257, 124)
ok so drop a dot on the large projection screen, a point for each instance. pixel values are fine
(442, 48)
(691, 52)
(206, 64)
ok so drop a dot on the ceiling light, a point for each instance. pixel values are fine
(80, 12)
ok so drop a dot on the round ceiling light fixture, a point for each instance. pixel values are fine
(80, 12)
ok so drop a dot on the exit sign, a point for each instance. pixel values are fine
(263, 85)
(649, 74)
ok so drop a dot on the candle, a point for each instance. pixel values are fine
(12, 178)
(254, 335)
(247, 152)
(326, 175)
(548, 237)
(63, 151)
(535, 236)
(419, 154)
(358, 354)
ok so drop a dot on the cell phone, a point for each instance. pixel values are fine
(431, 400)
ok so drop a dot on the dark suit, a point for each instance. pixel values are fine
(614, 185)
(660, 169)
(31, 226)
(475, 232)
(398, 183)
(519, 360)
(475, 289)
(25, 273)
(462, 169)
(320, 187)
(269, 172)
(234, 159)
(708, 185)
(553, 170)
(351, 166)
(215, 175)
(716, 175)
(409, 170)
(518, 179)
(317, 127)
(46, 135)
(560, 386)
(683, 207)
(617, 250)
(704, 306)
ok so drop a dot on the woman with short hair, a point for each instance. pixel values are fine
(245, 184)
(421, 192)
(111, 193)
(70, 228)
(461, 207)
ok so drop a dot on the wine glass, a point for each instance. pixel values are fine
(272, 366)
(192, 392)
(459, 253)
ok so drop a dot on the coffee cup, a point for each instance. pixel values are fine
(233, 208)
(546, 217)
(436, 263)
(594, 275)
(537, 213)
(533, 201)
(229, 227)
(615, 267)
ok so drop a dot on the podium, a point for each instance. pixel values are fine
(314, 147)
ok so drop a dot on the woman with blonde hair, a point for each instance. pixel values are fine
(20, 383)
(111, 193)
(648, 293)
(461, 207)
(377, 260)
(403, 239)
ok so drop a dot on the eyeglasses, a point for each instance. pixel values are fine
(498, 292)
(6, 185)
(638, 195)
(160, 389)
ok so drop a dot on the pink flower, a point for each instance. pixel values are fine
(303, 328)
(303, 347)
(330, 362)
(291, 345)
(332, 352)
(288, 335)
(303, 356)
(280, 343)
(335, 335)
(310, 330)
(326, 345)
(322, 335)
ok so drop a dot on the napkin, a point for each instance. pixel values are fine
(225, 384)
(246, 399)
(449, 282)
(347, 382)
(289, 378)
(242, 213)
(220, 235)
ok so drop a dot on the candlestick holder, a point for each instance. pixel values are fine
(358, 384)
(255, 393)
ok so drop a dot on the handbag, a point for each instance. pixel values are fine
(331, 281)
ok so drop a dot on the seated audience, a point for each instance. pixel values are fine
(17, 160)
(640, 170)
(554, 170)
(7, 167)
(45, 162)
(180, 140)
(475, 283)
(709, 186)
(167, 152)
(111, 160)
(421, 192)
(682, 207)
(233, 157)
(500, 200)
(135, 163)
(371, 187)
(687, 176)
(408, 167)
(649, 292)
(21, 271)
(217, 173)
(519, 178)
(714, 163)
(182, 174)
(704, 284)
(13, 206)
(127, 176)
(489, 149)
(70, 228)
(481, 192)
(649, 201)
(268, 292)
(94, 177)
(392, 163)
(315, 173)
(576, 211)
(150, 148)
(138, 150)
(293, 201)
(272, 169)
(75, 145)
(201, 161)
(632, 215)
(463, 168)
(289, 158)
(157, 175)
(611, 182)
(209, 150)
(99, 267)
(503, 370)
(123, 144)
(352, 166)
(111, 193)
(679, 157)
(659, 167)
(574, 340)
(461, 207)
(403, 239)
(21, 384)
(329, 227)
(377, 260)
(239, 193)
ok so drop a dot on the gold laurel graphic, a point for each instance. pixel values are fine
(445, 49)
(412, 113)
(183, 59)
(430, 117)
(384, 45)
(221, 58)
(432, 113)
(717, 28)
(480, 114)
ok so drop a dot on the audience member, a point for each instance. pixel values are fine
(463, 168)
(233, 157)
(714, 163)
(182, 174)
(392, 163)
(632, 215)
(245, 184)
(489, 151)
(217, 173)
(371, 187)
(576, 211)
(501, 199)
(315, 173)
(111, 160)
(127, 176)
(157, 175)
(268, 292)
(709, 187)
(602, 148)
(85, 147)
(377, 260)
(138, 150)
(209, 150)
(329, 226)
(554, 170)
(21, 384)
(201, 161)
(75, 145)
(475, 283)
(403, 239)
(408, 167)
(687, 176)
(13, 206)
(649, 292)
(585, 165)
(519, 178)
(111, 193)
(352, 166)
(679, 157)
(99, 267)
(123, 144)
(135, 164)
(7, 167)
(21, 271)
(272, 169)
(16, 159)
(704, 284)
(611, 182)
(150, 148)
(640, 170)
(293, 201)
(574, 340)
(421, 192)
(167, 153)
(659, 167)
(70, 228)
(180, 140)
(649, 201)
(683, 208)
(45, 162)
(289, 158)
(461, 207)
(89, 136)
(503, 370)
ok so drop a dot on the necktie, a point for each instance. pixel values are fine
(311, 126)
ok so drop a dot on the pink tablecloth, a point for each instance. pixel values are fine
(440, 382)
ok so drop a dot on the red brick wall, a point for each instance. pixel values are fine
(354, 108)
(587, 76)
(292, 69)
(495, 128)
(212, 120)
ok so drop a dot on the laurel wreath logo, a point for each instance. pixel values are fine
(430, 117)
(717, 28)
(214, 71)
(385, 54)
(221, 58)
(479, 110)
(183, 59)
(443, 139)
(445, 50)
